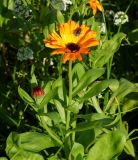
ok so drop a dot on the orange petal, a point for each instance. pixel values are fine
(90, 43)
(53, 44)
(84, 50)
(94, 10)
(59, 51)
(65, 57)
(89, 35)
(79, 57)
(100, 7)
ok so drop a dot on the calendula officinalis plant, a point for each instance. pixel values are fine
(79, 109)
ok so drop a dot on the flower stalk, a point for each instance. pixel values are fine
(70, 94)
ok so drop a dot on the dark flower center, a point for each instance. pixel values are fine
(77, 31)
(73, 47)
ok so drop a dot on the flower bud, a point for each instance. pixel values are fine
(38, 91)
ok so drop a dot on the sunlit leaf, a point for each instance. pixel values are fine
(101, 56)
(109, 146)
(60, 17)
(98, 87)
(77, 151)
(28, 141)
(88, 78)
(77, 72)
(26, 97)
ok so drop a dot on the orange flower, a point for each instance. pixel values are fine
(95, 4)
(73, 41)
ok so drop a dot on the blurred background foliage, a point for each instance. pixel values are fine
(25, 23)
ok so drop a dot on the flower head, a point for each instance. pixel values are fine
(109, 14)
(38, 91)
(95, 4)
(63, 4)
(25, 53)
(120, 18)
(73, 41)
(102, 28)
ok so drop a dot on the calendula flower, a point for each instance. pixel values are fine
(95, 4)
(73, 41)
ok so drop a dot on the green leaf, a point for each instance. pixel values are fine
(125, 88)
(92, 116)
(47, 86)
(48, 20)
(51, 94)
(89, 137)
(54, 116)
(75, 107)
(6, 8)
(3, 158)
(53, 157)
(77, 151)
(61, 101)
(28, 141)
(33, 81)
(129, 148)
(60, 109)
(25, 96)
(101, 56)
(99, 123)
(25, 155)
(59, 83)
(4, 116)
(133, 35)
(98, 87)
(108, 147)
(60, 17)
(87, 78)
(77, 72)
(34, 141)
(131, 102)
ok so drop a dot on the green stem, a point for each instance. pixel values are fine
(125, 13)
(107, 107)
(135, 130)
(96, 105)
(67, 145)
(70, 94)
(119, 111)
(73, 134)
(67, 120)
(106, 36)
(133, 138)
(70, 82)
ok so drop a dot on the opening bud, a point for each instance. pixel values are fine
(38, 91)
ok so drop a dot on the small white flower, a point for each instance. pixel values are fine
(51, 62)
(63, 4)
(102, 28)
(120, 18)
(109, 14)
(24, 53)
(100, 95)
(20, 9)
